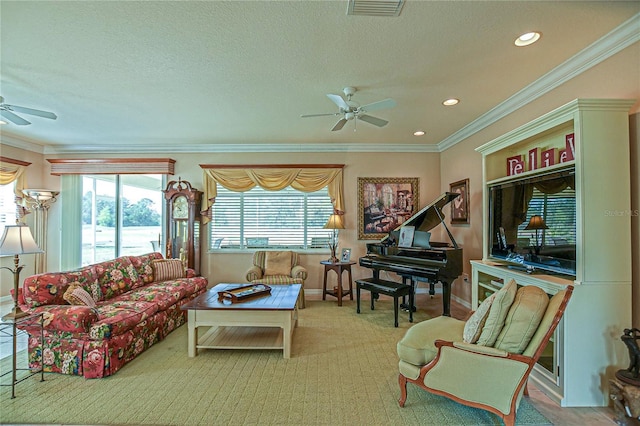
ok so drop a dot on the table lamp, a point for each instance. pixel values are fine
(537, 223)
(335, 223)
(17, 240)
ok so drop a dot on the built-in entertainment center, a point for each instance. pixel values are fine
(556, 205)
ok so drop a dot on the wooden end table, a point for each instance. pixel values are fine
(260, 323)
(339, 268)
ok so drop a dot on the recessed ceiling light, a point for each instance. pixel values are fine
(528, 38)
(450, 102)
(418, 133)
(2, 122)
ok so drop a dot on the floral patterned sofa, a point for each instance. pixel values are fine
(98, 318)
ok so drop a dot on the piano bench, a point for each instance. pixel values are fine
(388, 288)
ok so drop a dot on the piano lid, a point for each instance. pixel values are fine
(431, 216)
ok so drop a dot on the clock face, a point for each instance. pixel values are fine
(180, 208)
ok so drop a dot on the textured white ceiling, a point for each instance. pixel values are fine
(207, 75)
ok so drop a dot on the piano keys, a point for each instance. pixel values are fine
(425, 260)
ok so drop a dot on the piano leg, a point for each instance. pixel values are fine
(446, 298)
(404, 306)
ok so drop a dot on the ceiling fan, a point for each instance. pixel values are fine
(351, 110)
(7, 111)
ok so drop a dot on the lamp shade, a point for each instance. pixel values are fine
(334, 222)
(536, 222)
(17, 239)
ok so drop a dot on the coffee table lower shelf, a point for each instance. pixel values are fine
(225, 337)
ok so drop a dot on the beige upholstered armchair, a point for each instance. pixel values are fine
(484, 362)
(277, 267)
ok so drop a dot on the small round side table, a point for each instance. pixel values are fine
(339, 268)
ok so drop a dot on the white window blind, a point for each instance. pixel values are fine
(559, 213)
(7, 206)
(270, 219)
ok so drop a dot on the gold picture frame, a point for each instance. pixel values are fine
(460, 205)
(384, 204)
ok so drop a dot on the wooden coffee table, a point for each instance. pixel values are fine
(260, 323)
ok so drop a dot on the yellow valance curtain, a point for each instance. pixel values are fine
(274, 178)
(13, 171)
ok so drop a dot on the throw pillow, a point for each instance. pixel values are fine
(523, 319)
(167, 269)
(76, 295)
(497, 314)
(277, 263)
(473, 326)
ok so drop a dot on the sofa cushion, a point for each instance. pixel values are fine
(143, 267)
(76, 295)
(497, 314)
(523, 319)
(417, 346)
(117, 317)
(473, 326)
(277, 263)
(116, 276)
(49, 288)
(167, 269)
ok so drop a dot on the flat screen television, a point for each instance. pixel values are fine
(533, 222)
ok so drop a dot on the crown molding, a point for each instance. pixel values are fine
(239, 148)
(618, 39)
(22, 143)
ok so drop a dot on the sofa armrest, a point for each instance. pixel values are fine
(190, 273)
(254, 273)
(71, 318)
(299, 271)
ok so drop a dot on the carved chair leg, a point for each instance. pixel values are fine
(402, 381)
(526, 389)
(510, 420)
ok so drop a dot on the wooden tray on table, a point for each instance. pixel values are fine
(246, 292)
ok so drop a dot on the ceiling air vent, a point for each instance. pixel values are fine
(375, 7)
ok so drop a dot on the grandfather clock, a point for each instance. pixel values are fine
(183, 223)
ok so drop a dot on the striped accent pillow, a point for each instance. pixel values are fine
(76, 295)
(167, 269)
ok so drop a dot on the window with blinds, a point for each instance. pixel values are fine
(7, 206)
(285, 219)
(559, 213)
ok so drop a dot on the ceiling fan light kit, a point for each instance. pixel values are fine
(8, 112)
(351, 110)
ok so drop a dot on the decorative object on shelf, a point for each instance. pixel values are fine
(39, 201)
(183, 223)
(630, 375)
(460, 206)
(17, 240)
(334, 223)
(346, 255)
(537, 223)
(384, 204)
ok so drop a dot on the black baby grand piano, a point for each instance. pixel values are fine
(425, 260)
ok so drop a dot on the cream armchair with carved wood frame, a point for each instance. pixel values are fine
(491, 369)
(278, 267)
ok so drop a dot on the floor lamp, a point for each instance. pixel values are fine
(17, 240)
(39, 201)
(335, 223)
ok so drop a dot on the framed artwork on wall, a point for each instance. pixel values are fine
(384, 204)
(460, 205)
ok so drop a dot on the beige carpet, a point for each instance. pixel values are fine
(343, 370)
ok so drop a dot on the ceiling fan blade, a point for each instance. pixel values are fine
(385, 103)
(318, 115)
(337, 99)
(30, 111)
(373, 120)
(339, 125)
(13, 118)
